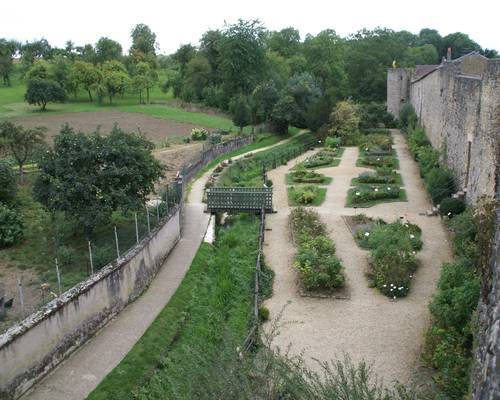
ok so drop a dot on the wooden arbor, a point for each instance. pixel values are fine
(252, 200)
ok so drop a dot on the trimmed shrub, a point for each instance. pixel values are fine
(11, 226)
(8, 185)
(450, 207)
(440, 184)
(302, 175)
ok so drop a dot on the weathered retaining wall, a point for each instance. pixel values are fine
(34, 346)
(458, 104)
(486, 374)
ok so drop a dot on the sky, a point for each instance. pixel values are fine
(184, 21)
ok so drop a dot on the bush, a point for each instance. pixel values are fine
(345, 122)
(428, 159)
(102, 256)
(8, 185)
(305, 194)
(332, 142)
(319, 159)
(376, 141)
(402, 235)
(440, 184)
(316, 262)
(214, 138)
(450, 207)
(366, 193)
(302, 175)
(416, 140)
(11, 226)
(375, 115)
(373, 177)
(379, 161)
(392, 268)
(407, 117)
(263, 313)
(199, 134)
(66, 256)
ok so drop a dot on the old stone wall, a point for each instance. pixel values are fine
(457, 104)
(398, 89)
(33, 347)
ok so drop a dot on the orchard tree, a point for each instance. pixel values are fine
(8, 49)
(21, 142)
(40, 69)
(87, 75)
(107, 50)
(87, 177)
(115, 78)
(145, 78)
(198, 73)
(42, 91)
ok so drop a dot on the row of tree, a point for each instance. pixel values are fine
(276, 76)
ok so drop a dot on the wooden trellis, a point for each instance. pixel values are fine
(240, 199)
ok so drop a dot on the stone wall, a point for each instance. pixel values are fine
(458, 104)
(398, 89)
(30, 349)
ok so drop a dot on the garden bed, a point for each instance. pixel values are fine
(390, 161)
(303, 175)
(322, 159)
(321, 273)
(377, 178)
(364, 196)
(306, 195)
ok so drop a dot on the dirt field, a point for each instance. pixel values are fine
(173, 157)
(155, 129)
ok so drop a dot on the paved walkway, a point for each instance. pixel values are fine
(76, 377)
(368, 326)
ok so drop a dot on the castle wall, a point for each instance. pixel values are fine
(398, 89)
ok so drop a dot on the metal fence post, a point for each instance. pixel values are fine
(117, 246)
(58, 274)
(147, 217)
(91, 260)
(136, 229)
(21, 296)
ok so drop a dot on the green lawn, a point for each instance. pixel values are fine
(318, 199)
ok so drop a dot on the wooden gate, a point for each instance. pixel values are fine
(240, 199)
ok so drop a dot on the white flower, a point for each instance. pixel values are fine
(367, 233)
(412, 236)
(406, 225)
(366, 148)
(449, 214)
(389, 188)
(378, 159)
(357, 193)
(392, 289)
(376, 189)
(411, 276)
(384, 285)
(414, 252)
(400, 288)
(394, 298)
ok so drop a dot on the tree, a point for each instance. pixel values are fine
(420, 55)
(265, 96)
(21, 142)
(345, 120)
(144, 79)
(107, 50)
(183, 55)
(304, 91)
(431, 36)
(285, 42)
(8, 186)
(40, 69)
(143, 40)
(60, 71)
(198, 72)
(87, 75)
(87, 177)
(242, 56)
(283, 113)
(8, 49)
(241, 112)
(43, 91)
(38, 49)
(460, 44)
(114, 78)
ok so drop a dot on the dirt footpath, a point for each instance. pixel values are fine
(369, 326)
(155, 129)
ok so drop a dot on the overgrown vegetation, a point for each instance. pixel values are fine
(392, 253)
(311, 195)
(318, 266)
(450, 337)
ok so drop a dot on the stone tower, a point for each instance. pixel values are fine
(398, 89)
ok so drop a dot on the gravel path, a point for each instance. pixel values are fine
(76, 377)
(369, 326)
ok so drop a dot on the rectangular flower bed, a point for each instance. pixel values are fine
(306, 195)
(365, 195)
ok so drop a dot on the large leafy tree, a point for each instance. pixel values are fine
(31, 51)
(460, 44)
(419, 55)
(143, 40)
(242, 56)
(42, 91)
(87, 177)
(8, 49)
(241, 112)
(21, 142)
(285, 42)
(107, 49)
(198, 73)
